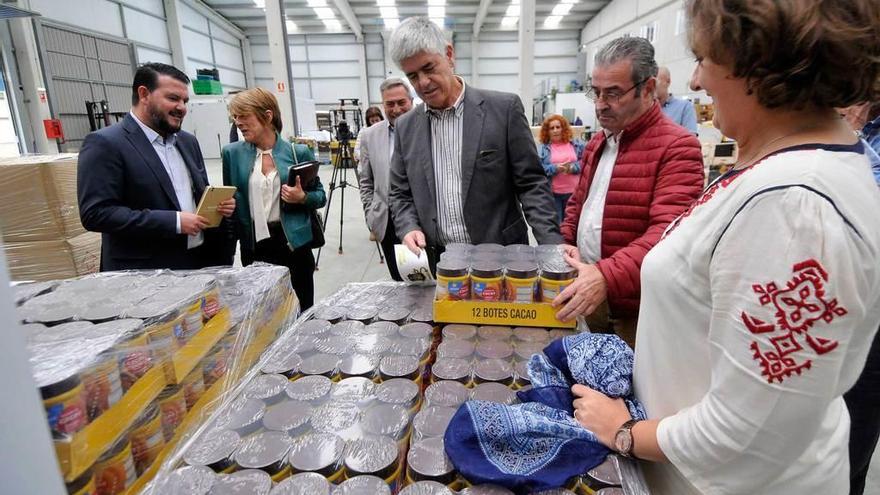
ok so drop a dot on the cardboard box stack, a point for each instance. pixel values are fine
(39, 219)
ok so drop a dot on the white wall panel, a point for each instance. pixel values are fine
(375, 67)
(297, 53)
(334, 69)
(314, 39)
(145, 28)
(299, 70)
(145, 55)
(329, 91)
(97, 15)
(556, 65)
(497, 66)
(333, 52)
(375, 51)
(260, 53)
(556, 48)
(227, 55)
(265, 83)
(152, 6)
(498, 83)
(301, 88)
(262, 70)
(220, 33)
(189, 17)
(196, 45)
(232, 79)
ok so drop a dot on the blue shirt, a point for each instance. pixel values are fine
(681, 112)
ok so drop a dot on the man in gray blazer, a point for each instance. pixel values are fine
(377, 146)
(465, 165)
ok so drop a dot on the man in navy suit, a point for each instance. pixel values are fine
(139, 182)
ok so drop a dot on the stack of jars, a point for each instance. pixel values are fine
(491, 272)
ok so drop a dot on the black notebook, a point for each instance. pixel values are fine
(306, 171)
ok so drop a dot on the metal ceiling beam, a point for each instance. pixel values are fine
(350, 18)
(481, 15)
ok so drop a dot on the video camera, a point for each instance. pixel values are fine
(343, 132)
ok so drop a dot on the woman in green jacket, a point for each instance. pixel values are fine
(272, 219)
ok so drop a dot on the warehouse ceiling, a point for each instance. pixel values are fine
(344, 16)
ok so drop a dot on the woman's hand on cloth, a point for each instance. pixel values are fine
(585, 294)
(226, 208)
(599, 413)
(295, 194)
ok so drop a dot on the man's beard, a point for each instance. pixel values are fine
(160, 123)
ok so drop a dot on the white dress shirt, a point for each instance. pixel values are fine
(177, 171)
(589, 234)
(265, 194)
(446, 136)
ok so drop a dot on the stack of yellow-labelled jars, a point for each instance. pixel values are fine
(491, 272)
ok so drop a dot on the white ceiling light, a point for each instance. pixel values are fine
(552, 21)
(317, 3)
(388, 13)
(391, 23)
(561, 9)
(333, 24)
(291, 26)
(512, 11)
(436, 2)
(440, 21)
(385, 3)
(435, 12)
(509, 22)
(325, 13)
(260, 4)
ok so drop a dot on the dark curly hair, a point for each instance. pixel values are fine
(793, 53)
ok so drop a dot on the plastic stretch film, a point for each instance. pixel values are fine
(344, 397)
(127, 362)
(39, 219)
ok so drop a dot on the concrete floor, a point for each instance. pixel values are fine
(360, 259)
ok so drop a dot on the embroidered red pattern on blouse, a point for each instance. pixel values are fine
(707, 195)
(799, 305)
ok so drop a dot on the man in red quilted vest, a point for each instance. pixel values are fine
(638, 173)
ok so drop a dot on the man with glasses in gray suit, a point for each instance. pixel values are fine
(377, 148)
(465, 166)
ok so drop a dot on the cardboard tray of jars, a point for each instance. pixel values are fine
(490, 284)
(355, 398)
(110, 350)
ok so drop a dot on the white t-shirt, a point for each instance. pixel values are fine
(758, 309)
(589, 233)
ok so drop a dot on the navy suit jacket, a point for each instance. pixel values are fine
(126, 194)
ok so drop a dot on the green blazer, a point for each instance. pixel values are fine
(238, 162)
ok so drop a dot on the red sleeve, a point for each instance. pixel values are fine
(679, 182)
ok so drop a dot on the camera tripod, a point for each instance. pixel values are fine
(339, 180)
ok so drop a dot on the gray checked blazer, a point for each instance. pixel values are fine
(373, 171)
(502, 178)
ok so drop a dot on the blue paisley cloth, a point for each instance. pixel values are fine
(538, 445)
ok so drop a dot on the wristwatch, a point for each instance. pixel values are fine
(623, 439)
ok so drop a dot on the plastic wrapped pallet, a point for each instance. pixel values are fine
(127, 362)
(341, 403)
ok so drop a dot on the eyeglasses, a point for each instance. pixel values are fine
(611, 96)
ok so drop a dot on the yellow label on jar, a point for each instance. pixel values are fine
(193, 387)
(172, 409)
(551, 288)
(487, 289)
(134, 360)
(67, 412)
(146, 443)
(453, 288)
(103, 387)
(521, 290)
(115, 474)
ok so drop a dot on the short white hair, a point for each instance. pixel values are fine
(415, 35)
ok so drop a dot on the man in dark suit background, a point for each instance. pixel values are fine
(139, 182)
(465, 166)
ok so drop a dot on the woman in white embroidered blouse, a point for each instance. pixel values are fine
(761, 301)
